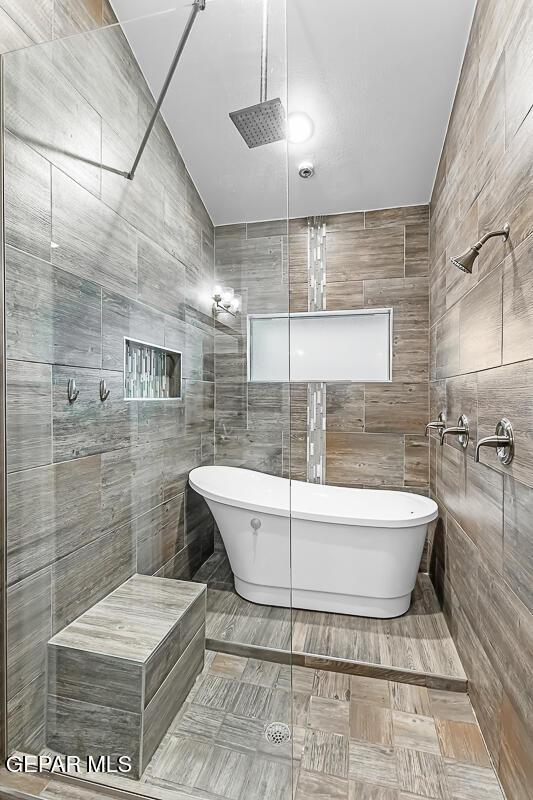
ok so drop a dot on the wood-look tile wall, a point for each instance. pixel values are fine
(375, 431)
(482, 365)
(96, 491)
(251, 420)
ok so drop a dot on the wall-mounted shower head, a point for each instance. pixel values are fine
(466, 260)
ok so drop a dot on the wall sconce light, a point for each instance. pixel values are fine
(225, 301)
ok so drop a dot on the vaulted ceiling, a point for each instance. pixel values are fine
(377, 78)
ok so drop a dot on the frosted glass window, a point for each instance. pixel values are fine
(268, 348)
(324, 346)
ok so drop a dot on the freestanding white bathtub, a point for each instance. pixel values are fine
(326, 548)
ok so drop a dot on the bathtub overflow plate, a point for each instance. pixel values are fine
(255, 524)
(277, 733)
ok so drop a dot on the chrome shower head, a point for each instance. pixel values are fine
(466, 260)
(263, 122)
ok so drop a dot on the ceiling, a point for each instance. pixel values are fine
(377, 77)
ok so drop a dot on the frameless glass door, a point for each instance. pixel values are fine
(149, 633)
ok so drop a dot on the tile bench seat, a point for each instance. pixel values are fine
(119, 673)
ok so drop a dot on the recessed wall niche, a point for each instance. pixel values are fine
(334, 346)
(151, 372)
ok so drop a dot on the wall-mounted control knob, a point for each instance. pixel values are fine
(438, 425)
(461, 430)
(502, 441)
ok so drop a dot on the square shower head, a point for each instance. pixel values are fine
(261, 124)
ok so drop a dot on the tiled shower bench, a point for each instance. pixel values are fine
(118, 674)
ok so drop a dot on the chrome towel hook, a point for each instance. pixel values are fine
(104, 391)
(72, 392)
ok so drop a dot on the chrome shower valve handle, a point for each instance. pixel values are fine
(502, 441)
(461, 430)
(436, 425)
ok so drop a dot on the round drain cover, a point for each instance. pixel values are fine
(277, 733)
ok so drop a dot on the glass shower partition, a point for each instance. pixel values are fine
(128, 647)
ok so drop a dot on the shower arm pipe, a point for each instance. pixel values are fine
(198, 5)
(263, 91)
(490, 235)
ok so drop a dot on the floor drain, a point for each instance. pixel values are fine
(277, 733)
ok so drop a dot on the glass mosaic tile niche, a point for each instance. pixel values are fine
(151, 372)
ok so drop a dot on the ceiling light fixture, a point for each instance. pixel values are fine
(300, 127)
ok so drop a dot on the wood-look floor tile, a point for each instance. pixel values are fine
(298, 741)
(284, 679)
(252, 701)
(268, 779)
(462, 741)
(409, 698)
(421, 774)
(198, 722)
(216, 692)
(60, 790)
(326, 752)
(368, 791)
(370, 724)
(415, 732)
(262, 673)
(240, 733)
(454, 706)
(180, 760)
(334, 685)
(313, 786)
(372, 691)
(329, 715)
(416, 648)
(373, 763)
(228, 666)
(300, 708)
(33, 784)
(224, 773)
(469, 782)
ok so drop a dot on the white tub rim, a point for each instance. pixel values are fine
(294, 498)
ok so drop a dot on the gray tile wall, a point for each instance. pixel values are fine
(251, 420)
(481, 364)
(375, 432)
(96, 490)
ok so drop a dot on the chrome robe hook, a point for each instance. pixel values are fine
(104, 391)
(72, 392)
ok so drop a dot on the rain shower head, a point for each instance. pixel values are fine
(264, 122)
(261, 124)
(466, 260)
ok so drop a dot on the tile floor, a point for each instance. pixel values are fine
(418, 642)
(354, 738)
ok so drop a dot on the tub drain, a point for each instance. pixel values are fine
(277, 733)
